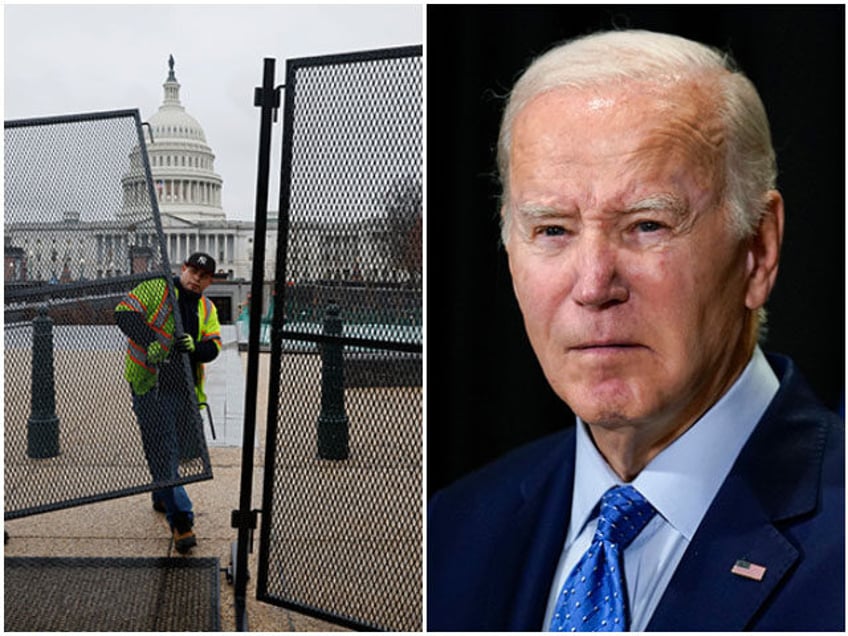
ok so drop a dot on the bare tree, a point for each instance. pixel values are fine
(404, 227)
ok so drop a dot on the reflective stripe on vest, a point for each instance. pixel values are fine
(205, 312)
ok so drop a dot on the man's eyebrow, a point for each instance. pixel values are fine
(539, 211)
(666, 202)
(660, 202)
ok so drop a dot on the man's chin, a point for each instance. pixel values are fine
(609, 419)
(612, 403)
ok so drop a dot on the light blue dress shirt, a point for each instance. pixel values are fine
(680, 482)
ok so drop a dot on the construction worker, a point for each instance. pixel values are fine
(156, 375)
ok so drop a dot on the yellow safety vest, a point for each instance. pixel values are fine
(150, 299)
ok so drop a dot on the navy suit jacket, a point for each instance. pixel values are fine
(495, 537)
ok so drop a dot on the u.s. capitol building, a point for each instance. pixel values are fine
(68, 248)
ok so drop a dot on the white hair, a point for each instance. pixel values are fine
(750, 169)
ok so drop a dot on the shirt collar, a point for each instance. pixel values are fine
(695, 464)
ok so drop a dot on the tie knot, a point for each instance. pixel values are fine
(624, 513)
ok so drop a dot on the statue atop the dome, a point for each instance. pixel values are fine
(171, 76)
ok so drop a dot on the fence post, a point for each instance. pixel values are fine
(332, 422)
(42, 425)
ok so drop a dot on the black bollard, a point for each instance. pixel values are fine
(332, 423)
(42, 425)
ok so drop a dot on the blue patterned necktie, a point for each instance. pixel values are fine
(594, 596)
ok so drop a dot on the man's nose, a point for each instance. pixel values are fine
(599, 282)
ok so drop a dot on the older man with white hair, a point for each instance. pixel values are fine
(703, 486)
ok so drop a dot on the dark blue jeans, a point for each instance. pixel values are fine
(157, 413)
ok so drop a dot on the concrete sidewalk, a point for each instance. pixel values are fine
(129, 527)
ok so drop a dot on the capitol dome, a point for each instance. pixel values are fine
(171, 121)
(181, 162)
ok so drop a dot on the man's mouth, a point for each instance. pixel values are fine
(606, 346)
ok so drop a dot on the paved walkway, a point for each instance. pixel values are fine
(225, 384)
(128, 527)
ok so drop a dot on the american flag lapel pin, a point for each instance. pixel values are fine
(748, 570)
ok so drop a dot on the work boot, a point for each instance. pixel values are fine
(184, 537)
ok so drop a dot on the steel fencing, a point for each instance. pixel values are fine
(341, 533)
(82, 231)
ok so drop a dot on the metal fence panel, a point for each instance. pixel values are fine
(81, 230)
(341, 534)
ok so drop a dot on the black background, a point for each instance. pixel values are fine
(485, 390)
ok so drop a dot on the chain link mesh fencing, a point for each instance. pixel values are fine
(341, 534)
(82, 231)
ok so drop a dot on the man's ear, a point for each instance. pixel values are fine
(764, 252)
(504, 226)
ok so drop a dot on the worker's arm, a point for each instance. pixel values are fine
(134, 327)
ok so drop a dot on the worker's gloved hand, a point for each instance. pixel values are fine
(156, 353)
(185, 344)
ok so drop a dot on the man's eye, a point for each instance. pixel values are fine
(649, 226)
(553, 230)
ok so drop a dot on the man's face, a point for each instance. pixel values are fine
(631, 283)
(193, 279)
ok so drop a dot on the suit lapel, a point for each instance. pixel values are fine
(775, 479)
(704, 594)
(541, 526)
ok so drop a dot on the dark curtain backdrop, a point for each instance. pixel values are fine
(485, 391)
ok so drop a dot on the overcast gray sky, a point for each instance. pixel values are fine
(64, 59)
